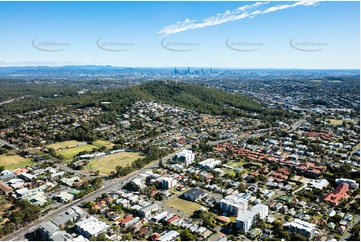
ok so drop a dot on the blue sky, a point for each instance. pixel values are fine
(181, 34)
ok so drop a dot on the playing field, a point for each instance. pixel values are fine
(101, 143)
(107, 164)
(182, 205)
(71, 152)
(65, 144)
(12, 162)
(336, 121)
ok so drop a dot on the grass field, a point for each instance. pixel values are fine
(70, 153)
(64, 145)
(12, 162)
(336, 121)
(183, 205)
(101, 143)
(235, 165)
(107, 164)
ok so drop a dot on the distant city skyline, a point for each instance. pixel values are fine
(235, 35)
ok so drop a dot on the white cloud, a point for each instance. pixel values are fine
(246, 11)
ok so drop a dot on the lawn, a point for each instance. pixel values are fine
(235, 165)
(229, 172)
(105, 143)
(232, 219)
(336, 121)
(183, 205)
(12, 162)
(70, 153)
(174, 191)
(107, 164)
(65, 144)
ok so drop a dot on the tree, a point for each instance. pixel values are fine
(100, 237)
(186, 235)
(52, 152)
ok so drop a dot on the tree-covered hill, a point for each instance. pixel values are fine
(198, 97)
(191, 96)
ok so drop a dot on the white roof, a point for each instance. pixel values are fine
(92, 225)
(171, 235)
(235, 200)
(302, 225)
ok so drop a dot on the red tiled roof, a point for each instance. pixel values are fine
(154, 236)
(126, 219)
(339, 193)
(20, 170)
(172, 219)
(143, 230)
(5, 188)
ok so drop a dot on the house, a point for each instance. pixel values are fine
(168, 182)
(24, 192)
(16, 183)
(57, 175)
(194, 194)
(172, 219)
(169, 236)
(299, 226)
(144, 232)
(65, 197)
(27, 176)
(352, 183)
(223, 219)
(319, 184)
(338, 194)
(51, 232)
(131, 222)
(218, 237)
(20, 171)
(80, 238)
(154, 237)
(113, 216)
(37, 199)
(91, 227)
(6, 175)
(72, 214)
(5, 188)
(146, 211)
(70, 181)
(62, 236)
(254, 233)
(160, 216)
(48, 230)
(126, 219)
(341, 229)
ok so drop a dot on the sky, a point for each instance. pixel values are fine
(306, 35)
